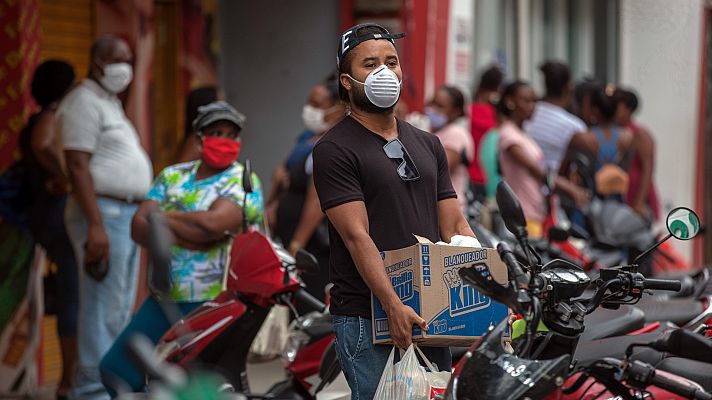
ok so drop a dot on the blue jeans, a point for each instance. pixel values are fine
(104, 307)
(363, 362)
(118, 371)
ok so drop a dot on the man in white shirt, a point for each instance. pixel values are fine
(552, 126)
(110, 174)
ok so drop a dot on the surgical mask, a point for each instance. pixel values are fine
(116, 77)
(220, 152)
(382, 87)
(313, 118)
(437, 119)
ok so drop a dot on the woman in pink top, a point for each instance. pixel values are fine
(521, 159)
(448, 122)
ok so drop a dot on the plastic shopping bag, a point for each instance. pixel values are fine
(272, 336)
(408, 380)
(437, 380)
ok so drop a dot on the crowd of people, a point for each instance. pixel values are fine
(357, 181)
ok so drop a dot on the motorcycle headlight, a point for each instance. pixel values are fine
(296, 340)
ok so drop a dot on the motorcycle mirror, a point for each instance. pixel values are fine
(247, 177)
(683, 223)
(511, 210)
(306, 262)
(478, 276)
(160, 239)
(684, 344)
(557, 234)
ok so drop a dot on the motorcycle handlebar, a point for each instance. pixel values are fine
(663, 284)
(507, 256)
(312, 302)
(681, 389)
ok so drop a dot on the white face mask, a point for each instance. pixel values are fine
(313, 118)
(116, 77)
(382, 87)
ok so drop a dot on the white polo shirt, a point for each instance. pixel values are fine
(552, 127)
(92, 120)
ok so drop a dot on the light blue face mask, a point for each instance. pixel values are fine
(437, 119)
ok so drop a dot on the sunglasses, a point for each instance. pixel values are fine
(406, 169)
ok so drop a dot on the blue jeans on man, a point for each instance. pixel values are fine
(363, 362)
(104, 307)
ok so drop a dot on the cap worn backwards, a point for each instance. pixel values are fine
(218, 111)
(350, 38)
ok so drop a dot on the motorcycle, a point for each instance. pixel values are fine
(307, 357)
(550, 299)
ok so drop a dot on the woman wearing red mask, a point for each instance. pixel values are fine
(202, 202)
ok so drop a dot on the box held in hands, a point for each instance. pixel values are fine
(425, 277)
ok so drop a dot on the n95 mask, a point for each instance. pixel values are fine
(382, 87)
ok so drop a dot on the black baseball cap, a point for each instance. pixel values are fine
(351, 38)
(218, 111)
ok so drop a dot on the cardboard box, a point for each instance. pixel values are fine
(425, 277)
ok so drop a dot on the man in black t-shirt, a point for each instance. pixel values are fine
(380, 181)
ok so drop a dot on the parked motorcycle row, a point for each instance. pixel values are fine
(592, 322)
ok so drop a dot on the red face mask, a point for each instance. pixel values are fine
(220, 152)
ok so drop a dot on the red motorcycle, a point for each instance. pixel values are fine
(219, 333)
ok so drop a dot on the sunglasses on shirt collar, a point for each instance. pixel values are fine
(406, 168)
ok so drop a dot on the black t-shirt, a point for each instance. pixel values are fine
(351, 165)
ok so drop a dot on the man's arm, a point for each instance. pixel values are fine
(139, 222)
(97, 246)
(44, 145)
(351, 222)
(309, 221)
(645, 147)
(561, 183)
(206, 226)
(452, 222)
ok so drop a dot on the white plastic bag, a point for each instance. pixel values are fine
(437, 380)
(272, 337)
(408, 380)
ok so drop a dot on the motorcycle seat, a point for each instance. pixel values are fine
(318, 331)
(677, 311)
(589, 351)
(604, 323)
(693, 370)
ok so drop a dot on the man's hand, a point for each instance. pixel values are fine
(57, 186)
(97, 246)
(401, 319)
(581, 197)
